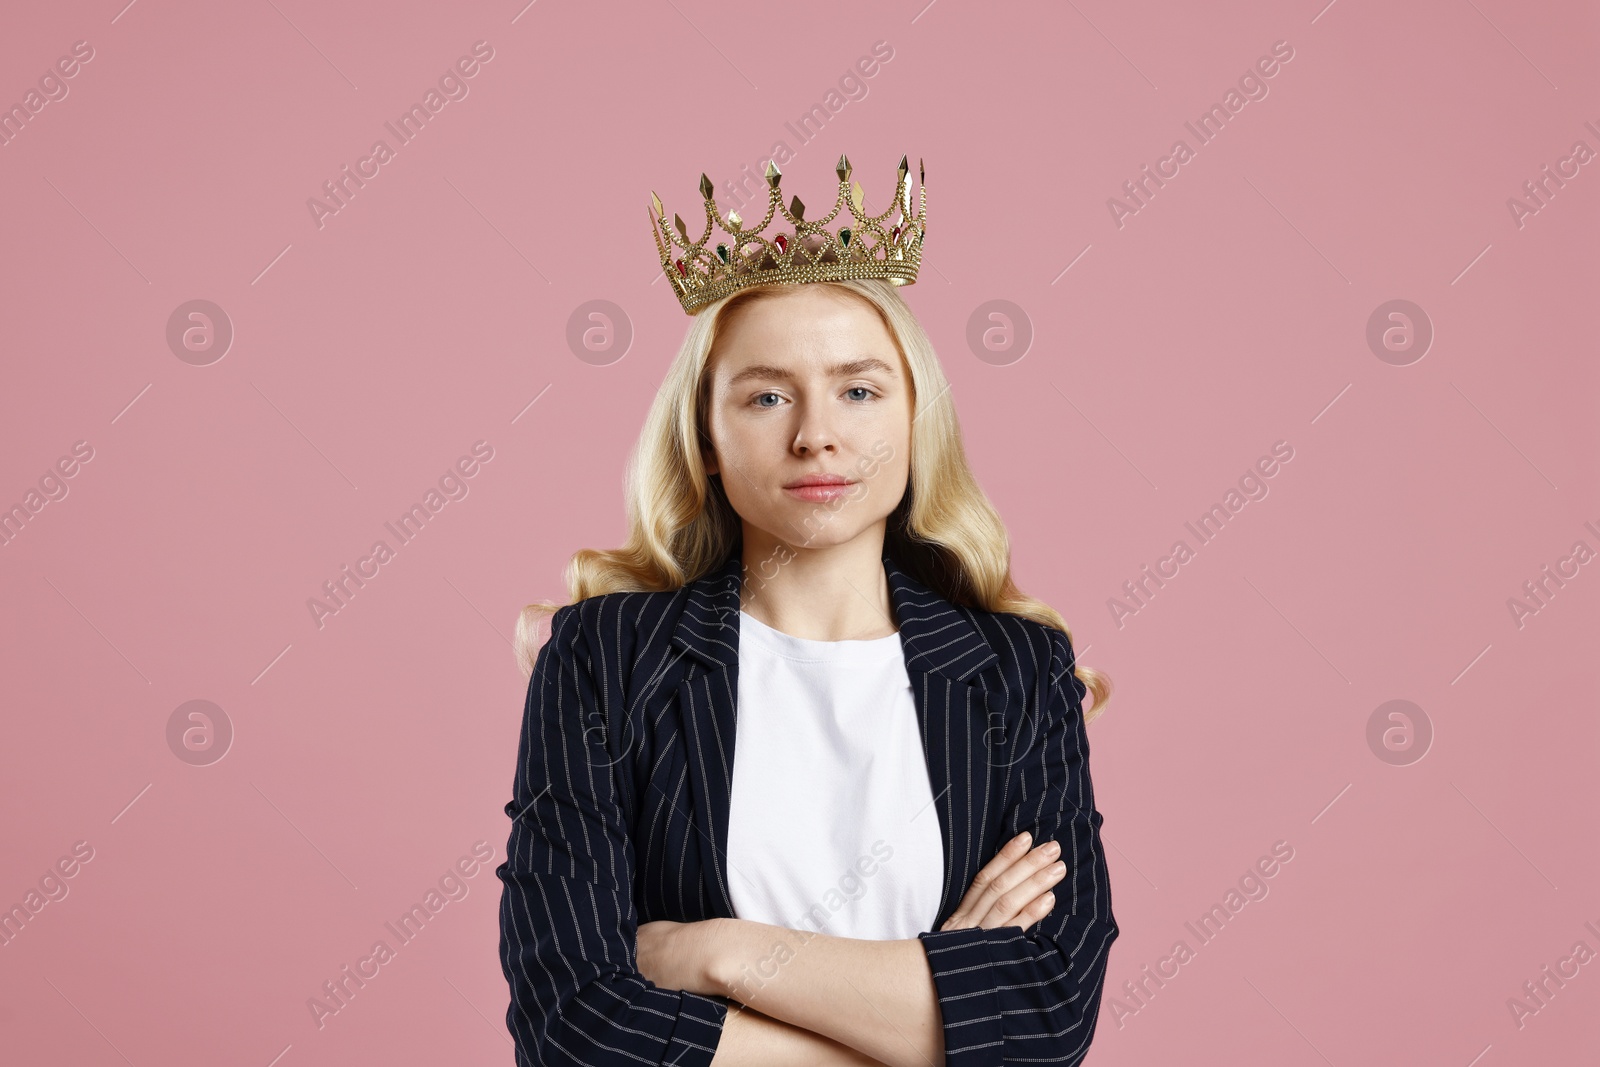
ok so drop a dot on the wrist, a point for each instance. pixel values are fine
(719, 958)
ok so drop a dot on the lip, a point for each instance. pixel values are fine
(819, 479)
(820, 488)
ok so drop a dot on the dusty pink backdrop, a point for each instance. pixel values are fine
(1228, 313)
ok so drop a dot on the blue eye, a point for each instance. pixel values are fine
(759, 397)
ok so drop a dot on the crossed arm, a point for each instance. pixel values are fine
(801, 997)
(835, 1000)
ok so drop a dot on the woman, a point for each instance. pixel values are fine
(782, 757)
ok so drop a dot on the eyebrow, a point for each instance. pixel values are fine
(838, 370)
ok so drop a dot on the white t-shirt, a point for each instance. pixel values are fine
(831, 825)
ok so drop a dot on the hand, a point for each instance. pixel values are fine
(1012, 889)
(679, 955)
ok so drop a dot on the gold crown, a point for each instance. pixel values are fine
(809, 252)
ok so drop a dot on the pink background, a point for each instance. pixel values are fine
(1228, 314)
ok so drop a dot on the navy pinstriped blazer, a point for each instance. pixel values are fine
(620, 816)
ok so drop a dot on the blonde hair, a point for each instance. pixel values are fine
(944, 532)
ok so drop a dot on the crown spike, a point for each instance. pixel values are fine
(783, 247)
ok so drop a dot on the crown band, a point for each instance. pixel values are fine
(800, 251)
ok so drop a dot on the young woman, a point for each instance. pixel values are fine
(803, 777)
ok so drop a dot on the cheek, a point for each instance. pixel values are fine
(890, 445)
(885, 465)
(747, 450)
(899, 471)
(744, 442)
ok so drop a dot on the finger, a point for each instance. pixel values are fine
(1014, 862)
(1038, 884)
(1042, 906)
(1036, 909)
(981, 901)
(1017, 900)
(983, 882)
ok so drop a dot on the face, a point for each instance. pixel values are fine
(807, 388)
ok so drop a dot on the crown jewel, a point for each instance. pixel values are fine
(704, 271)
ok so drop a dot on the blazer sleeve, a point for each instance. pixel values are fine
(568, 929)
(1009, 995)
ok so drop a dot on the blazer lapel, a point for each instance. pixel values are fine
(944, 655)
(943, 651)
(707, 634)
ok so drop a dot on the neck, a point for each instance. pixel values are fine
(822, 593)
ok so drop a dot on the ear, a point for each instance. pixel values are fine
(709, 458)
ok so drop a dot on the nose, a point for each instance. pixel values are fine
(815, 434)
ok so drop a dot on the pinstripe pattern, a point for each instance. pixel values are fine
(620, 816)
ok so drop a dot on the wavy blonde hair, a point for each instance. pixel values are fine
(944, 532)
